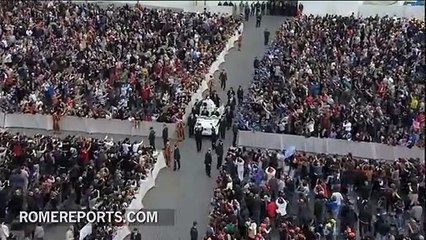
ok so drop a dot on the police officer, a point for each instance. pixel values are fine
(208, 162)
(219, 153)
(199, 136)
(222, 128)
(151, 137)
(165, 135)
(176, 157)
(213, 138)
(235, 133)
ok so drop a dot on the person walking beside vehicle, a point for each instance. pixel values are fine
(199, 137)
(176, 157)
(151, 137)
(208, 162)
(165, 135)
(219, 153)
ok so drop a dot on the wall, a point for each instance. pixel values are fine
(359, 8)
(344, 8)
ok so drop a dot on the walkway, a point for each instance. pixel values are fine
(189, 190)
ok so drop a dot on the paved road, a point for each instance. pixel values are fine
(189, 190)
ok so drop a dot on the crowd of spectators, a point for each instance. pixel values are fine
(360, 79)
(42, 173)
(105, 62)
(261, 193)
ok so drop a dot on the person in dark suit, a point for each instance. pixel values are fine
(222, 128)
(151, 137)
(194, 231)
(208, 162)
(213, 138)
(199, 137)
(176, 157)
(266, 35)
(191, 124)
(235, 134)
(219, 153)
(135, 235)
(165, 135)
(223, 78)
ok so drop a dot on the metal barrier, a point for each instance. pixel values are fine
(368, 150)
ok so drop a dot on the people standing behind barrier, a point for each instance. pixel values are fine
(103, 86)
(313, 211)
(55, 171)
(151, 137)
(344, 111)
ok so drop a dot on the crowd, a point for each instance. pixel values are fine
(116, 62)
(261, 193)
(342, 77)
(42, 173)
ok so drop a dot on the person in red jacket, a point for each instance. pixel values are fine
(271, 210)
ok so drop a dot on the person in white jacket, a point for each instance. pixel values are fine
(281, 206)
(240, 168)
(4, 232)
(70, 233)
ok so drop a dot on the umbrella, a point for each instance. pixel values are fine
(289, 152)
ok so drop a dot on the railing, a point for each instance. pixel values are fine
(368, 150)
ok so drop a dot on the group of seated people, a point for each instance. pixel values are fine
(71, 173)
(313, 197)
(117, 62)
(360, 79)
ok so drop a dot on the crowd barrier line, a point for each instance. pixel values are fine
(368, 150)
(145, 185)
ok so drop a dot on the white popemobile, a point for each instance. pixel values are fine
(209, 116)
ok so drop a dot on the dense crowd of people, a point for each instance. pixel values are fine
(70, 173)
(342, 77)
(116, 62)
(313, 197)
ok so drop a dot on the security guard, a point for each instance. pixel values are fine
(235, 134)
(213, 138)
(219, 153)
(222, 128)
(191, 124)
(151, 137)
(176, 157)
(165, 135)
(199, 136)
(208, 162)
